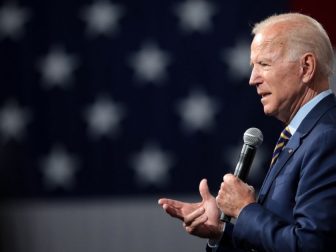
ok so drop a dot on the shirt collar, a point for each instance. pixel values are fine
(305, 109)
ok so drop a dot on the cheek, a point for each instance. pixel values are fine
(277, 100)
(282, 99)
(280, 86)
(280, 95)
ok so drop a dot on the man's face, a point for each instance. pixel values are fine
(276, 78)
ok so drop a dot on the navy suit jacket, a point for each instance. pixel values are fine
(296, 207)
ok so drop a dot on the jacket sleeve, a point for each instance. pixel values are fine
(313, 228)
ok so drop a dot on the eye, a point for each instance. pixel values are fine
(262, 63)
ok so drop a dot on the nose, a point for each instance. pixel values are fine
(255, 77)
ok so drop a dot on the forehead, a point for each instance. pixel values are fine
(267, 45)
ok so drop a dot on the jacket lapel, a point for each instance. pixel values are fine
(286, 153)
(294, 143)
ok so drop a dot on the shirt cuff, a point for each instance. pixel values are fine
(214, 243)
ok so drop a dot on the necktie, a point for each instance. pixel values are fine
(282, 141)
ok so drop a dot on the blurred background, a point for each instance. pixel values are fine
(108, 105)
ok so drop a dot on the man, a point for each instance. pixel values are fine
(292, 60)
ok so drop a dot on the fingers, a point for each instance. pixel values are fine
(173, 212)
(172, 207)
(251, 188)
(233, 181)
(220, 199)
(170, 202)
(204, 190)
(234, 195)
(194, 220)
(226, 187)
(230, 178)
(192, 217)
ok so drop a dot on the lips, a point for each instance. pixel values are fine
(263, 94)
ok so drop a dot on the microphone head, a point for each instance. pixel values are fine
(253, 137)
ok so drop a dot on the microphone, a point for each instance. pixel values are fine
(253, 137)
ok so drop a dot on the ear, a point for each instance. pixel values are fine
(308, 67)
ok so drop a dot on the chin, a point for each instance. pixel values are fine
(268, 112)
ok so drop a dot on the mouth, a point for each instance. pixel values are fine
(264, 95)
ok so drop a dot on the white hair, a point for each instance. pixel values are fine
(303, 34)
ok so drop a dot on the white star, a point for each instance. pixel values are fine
(238, 60)
(150, 64)
(13, 120)
(103, 117)
(58, 169)
(195, 15)
(102, 17)
(197, 111)
(57, 68)
(12, 20)
(152, 166)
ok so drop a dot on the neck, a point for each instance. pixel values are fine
(309, 93)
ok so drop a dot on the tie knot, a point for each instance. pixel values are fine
(282, 141)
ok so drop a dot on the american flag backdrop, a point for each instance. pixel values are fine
(122, 100)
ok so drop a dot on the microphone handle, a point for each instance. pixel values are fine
(225, 218)
(242, 169)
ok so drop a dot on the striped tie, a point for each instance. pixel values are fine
(283, 139)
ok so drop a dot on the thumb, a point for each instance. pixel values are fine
(204, 190)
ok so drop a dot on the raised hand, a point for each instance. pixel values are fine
(200, 219)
